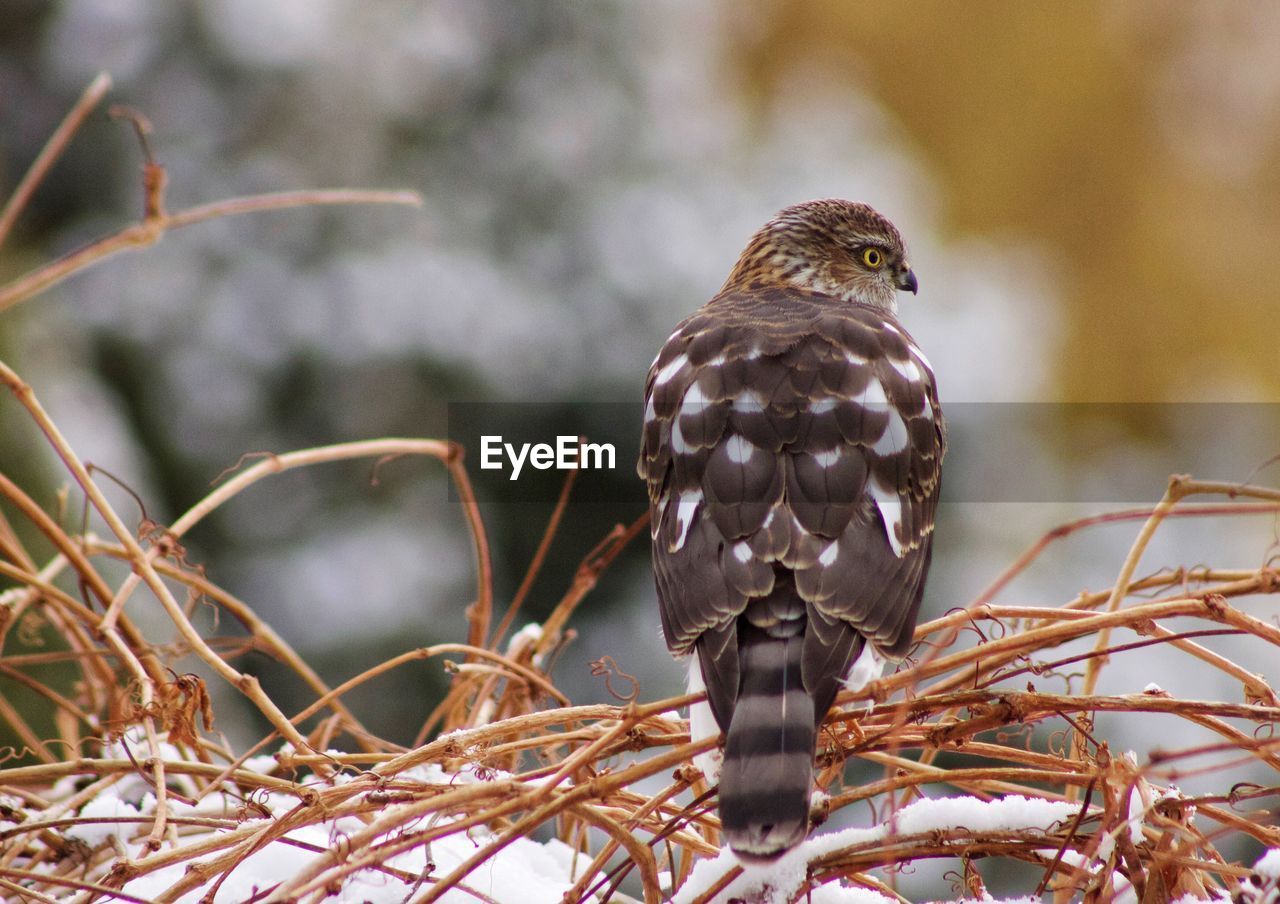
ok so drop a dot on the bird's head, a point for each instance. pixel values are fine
(840, 248)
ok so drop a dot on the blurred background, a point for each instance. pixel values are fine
(1091, 192)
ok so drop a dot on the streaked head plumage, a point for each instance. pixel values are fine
(840, 248)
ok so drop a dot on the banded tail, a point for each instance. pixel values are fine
(767, 776)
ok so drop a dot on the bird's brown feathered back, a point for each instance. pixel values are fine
(792, 448)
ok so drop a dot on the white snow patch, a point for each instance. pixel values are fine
(1137, 813)
(1106, 846)
(833, 893)
(107, 806)
(1075, 858)
(1269, 864)
(1137, 806)
(524, 871)
(263, 763)
(1007, 814)
(778, 882)
(540, 873)
(1173, 792)
(526, 637)
(770, 883)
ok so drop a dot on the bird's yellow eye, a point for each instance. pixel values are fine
(873, 258)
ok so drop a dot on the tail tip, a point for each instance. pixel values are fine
(766, 842)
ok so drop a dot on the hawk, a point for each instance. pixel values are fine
(792, 447)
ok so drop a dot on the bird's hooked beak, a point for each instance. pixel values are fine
(907, 281)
